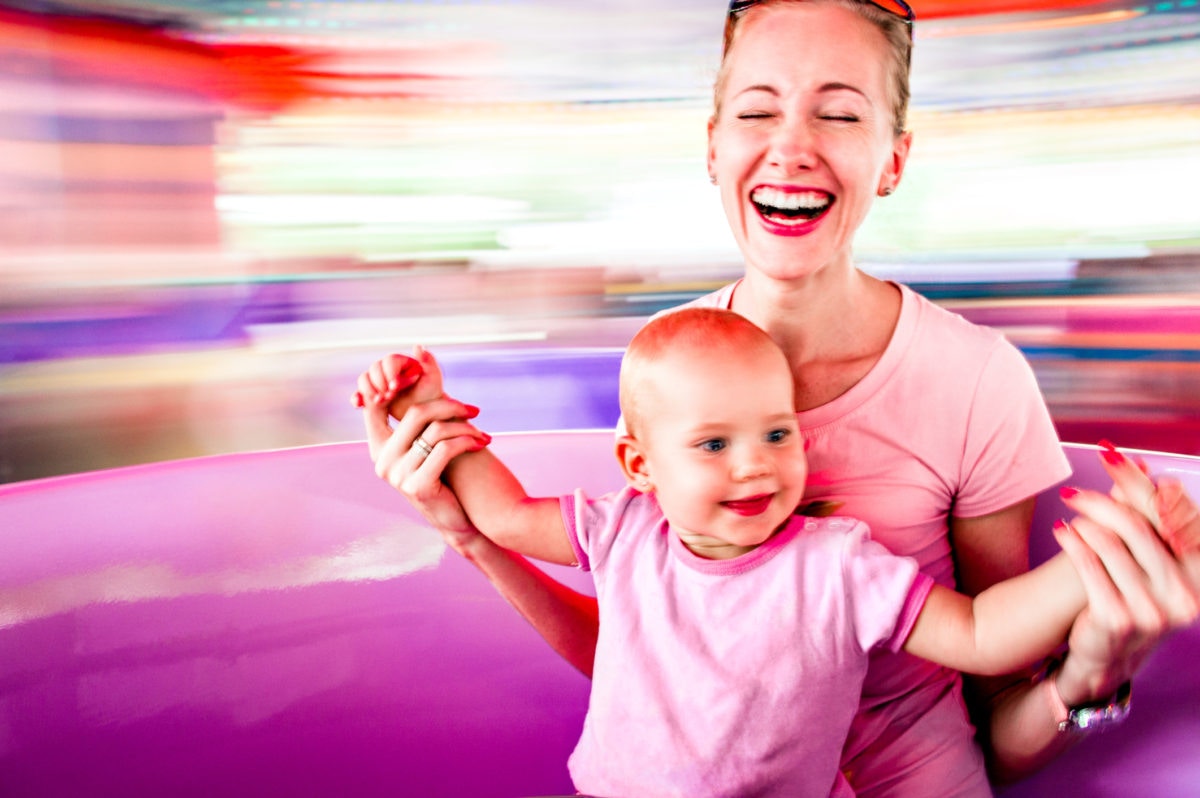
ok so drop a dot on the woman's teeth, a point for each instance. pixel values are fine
(790, 206)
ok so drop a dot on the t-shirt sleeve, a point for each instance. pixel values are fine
(885, 591)
(1012, 451)
(593, 523)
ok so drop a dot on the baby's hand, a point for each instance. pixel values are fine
(386, 379)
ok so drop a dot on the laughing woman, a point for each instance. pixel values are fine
(929, 428)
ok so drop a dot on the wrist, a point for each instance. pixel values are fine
(1083, 716)
(1079, 684)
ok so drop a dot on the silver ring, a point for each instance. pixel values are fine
(422, 445)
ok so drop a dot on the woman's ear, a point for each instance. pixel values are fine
(711, 156)
(633, 463)
(894, 170)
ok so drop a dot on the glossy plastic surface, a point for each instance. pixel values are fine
(282, 623)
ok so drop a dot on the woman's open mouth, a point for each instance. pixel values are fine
(790, 211)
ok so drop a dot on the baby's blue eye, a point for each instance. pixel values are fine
(712, 446)
(778, 435)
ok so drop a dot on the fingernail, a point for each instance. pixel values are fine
(1061, 526)
(1107, 444)
(1068, 493)
(487, 438)
(472, 411)
(358, 399)
(1112, 457)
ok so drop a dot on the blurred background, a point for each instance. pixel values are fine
(214, 215)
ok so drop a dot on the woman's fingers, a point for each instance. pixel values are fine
(1157, 590)
(420, 416)
(1130, 526)
(1129, 595)
(1131, 484)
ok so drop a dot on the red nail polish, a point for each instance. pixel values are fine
(1107, 444)
(358, 399)
(1061, 526)
(1112, 457)
(1068, 493)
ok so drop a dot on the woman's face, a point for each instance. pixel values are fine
(803, 142)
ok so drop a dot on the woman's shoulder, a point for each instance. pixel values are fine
(721, 298)
(947, 335)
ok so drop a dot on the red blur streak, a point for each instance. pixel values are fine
(934, 9)
(255, 77)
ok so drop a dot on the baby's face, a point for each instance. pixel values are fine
(724, 451)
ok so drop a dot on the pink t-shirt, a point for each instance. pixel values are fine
(949, 422)
(729, 677)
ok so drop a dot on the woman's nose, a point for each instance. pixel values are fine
(793, 146)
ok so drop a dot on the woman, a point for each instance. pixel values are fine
(949, 438)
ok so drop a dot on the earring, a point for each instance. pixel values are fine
(886, 191)
(712, 179)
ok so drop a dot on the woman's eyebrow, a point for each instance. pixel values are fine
(824, 88)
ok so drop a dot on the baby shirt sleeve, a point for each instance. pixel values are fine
(592, 524)
(1012, 450)
(885, 592)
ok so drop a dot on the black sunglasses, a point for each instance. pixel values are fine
(897, 7)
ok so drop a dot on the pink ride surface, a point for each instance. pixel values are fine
(282, 623)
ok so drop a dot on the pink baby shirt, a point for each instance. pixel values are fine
(729, 677)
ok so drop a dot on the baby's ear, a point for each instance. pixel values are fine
(633, 463)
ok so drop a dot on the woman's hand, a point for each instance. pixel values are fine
(1148, 536)
(410, 389)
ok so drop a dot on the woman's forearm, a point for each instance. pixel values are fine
(567, 619)
(1022, 732)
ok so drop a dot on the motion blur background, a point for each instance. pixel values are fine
(214, 215)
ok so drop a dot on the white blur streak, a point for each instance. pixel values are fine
(302, 209)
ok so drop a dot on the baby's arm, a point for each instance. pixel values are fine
(498, 505)
(1009, 625)
(494, 501)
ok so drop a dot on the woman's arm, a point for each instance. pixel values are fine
(1141, 594)
(1017, 727)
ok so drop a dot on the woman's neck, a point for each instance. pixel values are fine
(833, 326)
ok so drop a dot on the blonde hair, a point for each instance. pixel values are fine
(712, 333)
(894, 29)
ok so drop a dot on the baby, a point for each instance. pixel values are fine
(735, 634)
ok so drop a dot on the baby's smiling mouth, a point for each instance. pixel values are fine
(751, 505)
(790, 207)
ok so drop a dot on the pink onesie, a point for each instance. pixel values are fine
(949, 422)
(729, 677)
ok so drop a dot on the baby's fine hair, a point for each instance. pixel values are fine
(710, 333)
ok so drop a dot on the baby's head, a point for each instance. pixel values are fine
(708, 403)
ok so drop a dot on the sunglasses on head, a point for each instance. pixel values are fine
(897, 7)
